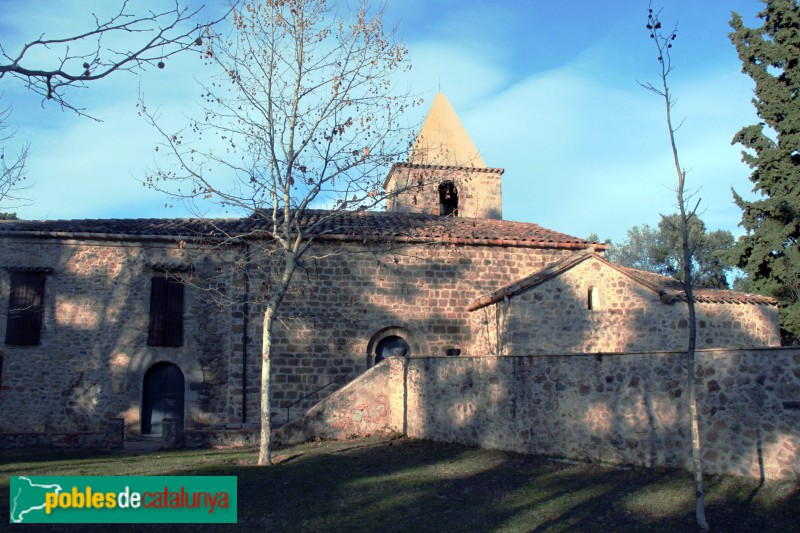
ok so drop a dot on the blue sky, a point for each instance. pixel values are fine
(546, 89)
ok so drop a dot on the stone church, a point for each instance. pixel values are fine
(143, 319)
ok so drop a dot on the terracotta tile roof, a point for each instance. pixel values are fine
(669, 290)
(350, 225)
(81, 227)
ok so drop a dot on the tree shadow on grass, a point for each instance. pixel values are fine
(402, 485)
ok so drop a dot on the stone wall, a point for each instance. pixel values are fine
(111, 438)
(196, 439)
(554, 317)
(93, 354)
(479, 190)
(371, 404)
(342, 305)
(627, 408)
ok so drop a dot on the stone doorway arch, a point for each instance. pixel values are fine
(162, 397)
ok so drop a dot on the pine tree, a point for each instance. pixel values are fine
(769, 249)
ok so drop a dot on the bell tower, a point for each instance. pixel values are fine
(445, 174)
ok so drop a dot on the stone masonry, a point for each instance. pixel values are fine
(626, 316)
(478, 189)
(626, 408)
(93, 354)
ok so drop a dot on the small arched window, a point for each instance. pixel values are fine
(392, 346)
(593, 299)
(393, 340)
(448, 199)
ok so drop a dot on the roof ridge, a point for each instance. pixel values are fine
(673, 293)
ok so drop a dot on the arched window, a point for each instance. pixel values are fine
(593, 299)
(448, 199)
(391, 346)
(391, 341)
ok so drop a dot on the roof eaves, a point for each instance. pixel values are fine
(670, 296)
(492, 170)
(88, 235)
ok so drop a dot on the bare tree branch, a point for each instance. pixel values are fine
(12, 165)
(86, 57)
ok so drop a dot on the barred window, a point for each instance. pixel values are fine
(25, 308)
(166, 312)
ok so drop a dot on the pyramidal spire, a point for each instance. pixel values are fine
(442, 140)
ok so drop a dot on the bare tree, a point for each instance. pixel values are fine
(12, 164)
(143, 40)
(136, 42)
(305, 114)
(663, 41)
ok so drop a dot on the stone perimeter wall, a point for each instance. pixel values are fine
(111, 439)
(621, 408)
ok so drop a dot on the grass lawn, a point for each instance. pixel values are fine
(409, 485)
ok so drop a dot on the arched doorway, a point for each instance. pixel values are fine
(162, 397)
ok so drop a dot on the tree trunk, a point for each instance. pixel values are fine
(265, 443)
(697, 467)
